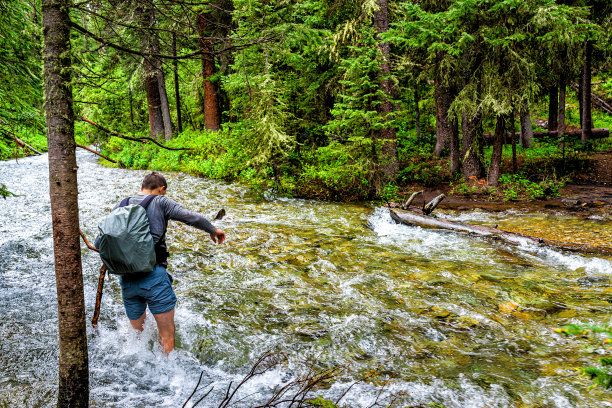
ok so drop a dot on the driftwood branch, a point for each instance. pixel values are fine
(430, 206)
(99, 154)
(411, 199)
(513, 238)
(136, 139)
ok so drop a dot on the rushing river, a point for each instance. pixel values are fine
(430, 317)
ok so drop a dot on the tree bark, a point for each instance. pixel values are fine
(63, 191)
(417, 111)
(496, 156)
(161, 79)
(212, 111)
(553, 107)
(177, 94)
(146, 15)
(156, 120)
(472, 146)
(389, 159)
(165, 105)
(526, 128)
(455, 157)
(444, 97)
(587, 114)
(562, 92)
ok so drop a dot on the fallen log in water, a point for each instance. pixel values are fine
(514, 238)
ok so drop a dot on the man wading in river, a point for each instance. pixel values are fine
(154, 289)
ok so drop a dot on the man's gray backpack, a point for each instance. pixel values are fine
(126, 244)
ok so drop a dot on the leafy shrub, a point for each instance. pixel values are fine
(337, 171)
(515, 186)
(423, 173)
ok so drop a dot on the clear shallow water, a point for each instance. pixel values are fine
(445, 318)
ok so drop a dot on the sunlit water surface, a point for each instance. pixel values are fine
(433, 316)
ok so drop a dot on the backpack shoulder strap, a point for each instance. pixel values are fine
(144, 203)
(124, 202)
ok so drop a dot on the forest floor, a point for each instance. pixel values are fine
(587, 193)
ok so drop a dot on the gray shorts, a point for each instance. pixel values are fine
(153, 289)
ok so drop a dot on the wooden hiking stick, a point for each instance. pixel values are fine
(96, 315)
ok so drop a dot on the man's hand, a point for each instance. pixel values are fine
(218, 236)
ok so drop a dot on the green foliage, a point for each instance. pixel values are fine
(602, 375)
(389, 192)
(337, 171)
(422, 173)
(4, 193)
(464, 188)
(321, 402)
(214, 154)
(515, 186)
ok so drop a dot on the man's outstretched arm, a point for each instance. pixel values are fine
(175, 211)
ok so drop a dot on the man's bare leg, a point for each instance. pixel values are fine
(165, 326)
(139, 323)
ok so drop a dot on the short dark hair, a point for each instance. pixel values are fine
(153, 181)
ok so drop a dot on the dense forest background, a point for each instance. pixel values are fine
(331, 99)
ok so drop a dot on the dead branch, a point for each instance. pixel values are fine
(411, 199)
(203, 396)
(430, 206)
(194, 390)
(295, 393)
(19, 141)
(99, 154)
(143, 139)
(87, 242)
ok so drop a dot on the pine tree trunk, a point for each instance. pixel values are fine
(212, 111)
(553, 107)
(161, 80)
(496, 156)
(146, 16)
(165, 105)
(562, 91)
(389, 159)
(443, 99)
(587, 114)
(579, 94)
(73, 360)
(472, 146)
(156, 120)
(177, 94)
(526, 128)
(417, 111)
(455, 157)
